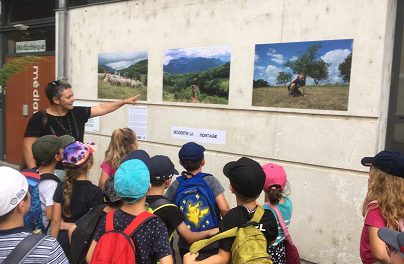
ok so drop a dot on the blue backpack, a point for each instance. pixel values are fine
(33, 218)
(197, 203)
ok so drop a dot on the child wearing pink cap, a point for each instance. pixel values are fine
(276, 196)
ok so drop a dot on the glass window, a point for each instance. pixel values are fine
(21, 10)
(47, 34)
(72, 3)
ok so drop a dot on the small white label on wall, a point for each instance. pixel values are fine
(138, 121)
(199, 135)
(93, 124)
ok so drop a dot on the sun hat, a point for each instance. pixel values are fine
(77, 153)
(275, 176)
(46, 147)
(13, 189)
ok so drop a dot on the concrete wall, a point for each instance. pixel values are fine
(321, 150)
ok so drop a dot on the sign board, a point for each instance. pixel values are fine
(199, 135)
(93, 124)
(138, 121)
(30, 46)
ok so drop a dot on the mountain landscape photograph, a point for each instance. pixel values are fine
(197, 75)
(122, 74)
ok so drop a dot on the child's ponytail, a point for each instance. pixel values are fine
(274, 195)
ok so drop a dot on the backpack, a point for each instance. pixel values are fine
(249, 246)
(117, 247)
(33, 218)
(197, 203)
(83, 235)
(157, 205)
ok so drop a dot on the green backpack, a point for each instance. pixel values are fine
(249, 246)
(157, 205)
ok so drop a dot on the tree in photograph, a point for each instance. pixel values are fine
(345, 68)
(283, 78)
(260, 83)
(309, 64)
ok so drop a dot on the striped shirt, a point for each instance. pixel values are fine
(48, 251)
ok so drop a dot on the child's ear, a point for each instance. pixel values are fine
(203, 162)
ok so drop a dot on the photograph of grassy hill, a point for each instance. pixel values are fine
(197, 75)
(122, 74)
(307, 75)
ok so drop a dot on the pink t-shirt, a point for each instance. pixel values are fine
(373, 218)
(107, 168)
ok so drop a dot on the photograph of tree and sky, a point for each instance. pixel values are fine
(197, 75)
(122, 74)
(312, 74)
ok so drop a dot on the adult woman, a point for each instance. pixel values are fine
(62, 118)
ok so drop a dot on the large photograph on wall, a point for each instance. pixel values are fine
(122, 74)
(310, 75)
(197, 75)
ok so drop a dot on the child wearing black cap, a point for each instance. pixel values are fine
(247, 180)
(161, 172)
(191, 157)
(384, 203)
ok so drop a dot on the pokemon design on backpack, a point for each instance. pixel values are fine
(117, 247)
(249, 246)
(33, 218)
(196, 202)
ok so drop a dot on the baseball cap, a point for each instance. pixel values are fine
(46, 147)
(77, 153)
(274, 175)
(13, 188)
(388, 161)
(140, 155)
(132, 179)
(162, 168)
(109, 190)
(393, 238)
(191, 151)
(246, 176)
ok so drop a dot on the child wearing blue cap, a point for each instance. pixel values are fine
(131, 183)
(384, 204)
(199, 196)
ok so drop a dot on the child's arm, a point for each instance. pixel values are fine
(223, 257)
(56, 219)
(191, 237)
(48, 212)
(90, 251)
(167, 260)
(222, 204)
(377, 246)
(104, 176)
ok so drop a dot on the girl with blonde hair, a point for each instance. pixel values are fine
(123, 141)
(383, 205)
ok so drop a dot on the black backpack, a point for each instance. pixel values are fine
(84, 233)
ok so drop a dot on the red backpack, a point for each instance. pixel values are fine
(117, 247)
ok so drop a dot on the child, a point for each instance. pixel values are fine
(47, 152)
(14, 203)
(246, 181)
(384, 203)
(76, 195)
(274, 187)
(191, 157)
(132, 181)
(123, 141)
(395, 240)
(161, 172)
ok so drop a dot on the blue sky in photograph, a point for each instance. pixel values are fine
(218, 52)
(270, 58)
(121, 60)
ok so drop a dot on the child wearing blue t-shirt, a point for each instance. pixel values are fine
(276, 195)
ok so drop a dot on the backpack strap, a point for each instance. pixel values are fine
(281, 222)
(49, 176)
(23, 249)
(161, 203)
(142, 217)
(75, 124)
(198, 245)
